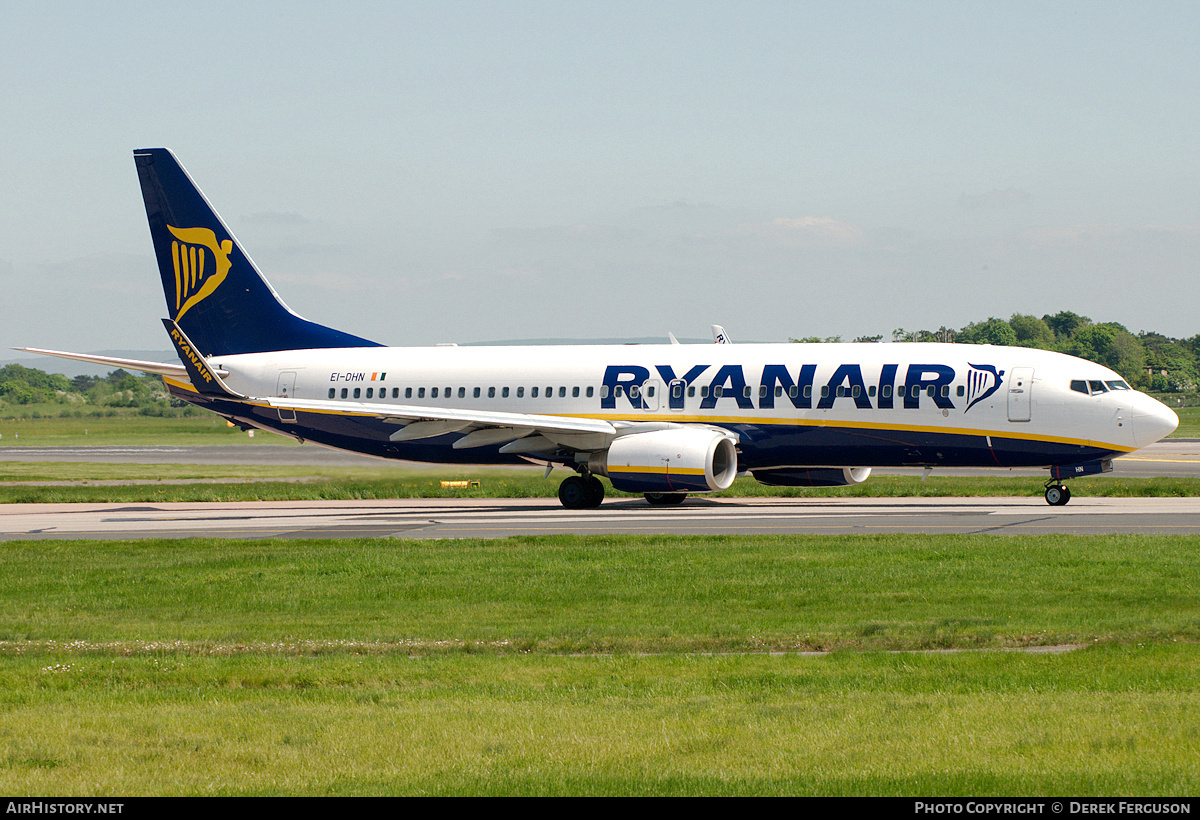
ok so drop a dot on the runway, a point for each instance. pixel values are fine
(490, 518)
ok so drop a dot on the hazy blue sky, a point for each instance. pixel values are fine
(466, 171)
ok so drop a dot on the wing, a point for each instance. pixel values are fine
(518, 432)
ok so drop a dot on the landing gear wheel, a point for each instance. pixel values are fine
(662, 499)
(581, 492)
(595, 490)
(1057, 495)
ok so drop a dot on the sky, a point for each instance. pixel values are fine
(426, 172)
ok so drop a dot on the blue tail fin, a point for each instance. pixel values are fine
(214, 292)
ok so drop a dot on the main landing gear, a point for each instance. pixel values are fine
(581, 492)
(1057, 494)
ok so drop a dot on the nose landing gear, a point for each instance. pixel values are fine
(1057, 494)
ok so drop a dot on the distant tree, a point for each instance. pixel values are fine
(1032, 331)
(1111, 345)
(869, 339)
(992, 332)
(1065, 323)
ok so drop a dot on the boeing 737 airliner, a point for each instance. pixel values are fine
(663, 420)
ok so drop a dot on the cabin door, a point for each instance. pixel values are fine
(286, 389)
(1020, 393)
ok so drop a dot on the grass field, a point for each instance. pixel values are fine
(618, 665)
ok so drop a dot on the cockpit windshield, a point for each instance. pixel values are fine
(1094, 387)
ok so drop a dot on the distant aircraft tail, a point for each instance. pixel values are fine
(214, 293)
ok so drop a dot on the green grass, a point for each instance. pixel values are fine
(1189, 421)
(607, 665)
(18, 427)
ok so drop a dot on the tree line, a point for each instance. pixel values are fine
(1147, 360)
(119, 389)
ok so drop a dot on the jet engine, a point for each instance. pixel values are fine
(683, 459)
(814, 477)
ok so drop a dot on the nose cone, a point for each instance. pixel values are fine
(1152, 420)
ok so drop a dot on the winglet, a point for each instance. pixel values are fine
(203, 377)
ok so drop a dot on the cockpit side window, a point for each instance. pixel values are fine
(1118, 385)
(1079, 386)
(1097, 386)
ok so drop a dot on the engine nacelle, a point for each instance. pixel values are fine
(816, 477)
(684, 459)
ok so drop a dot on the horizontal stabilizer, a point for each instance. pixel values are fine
(158, 368)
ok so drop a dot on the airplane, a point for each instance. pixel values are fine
(661, 420)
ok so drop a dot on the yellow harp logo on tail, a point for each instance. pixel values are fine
(194, 279)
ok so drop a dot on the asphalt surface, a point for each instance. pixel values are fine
(491, 518)
(477, 518)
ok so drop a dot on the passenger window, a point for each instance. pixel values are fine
(574, 392)
(504, 393)
(692, 392)
(792, 391)
(532, 393)
(420, 392)
(589, 392)
(357, 393)
(370, 392)
(549, 392)
(462, 392)
(345, 392)
(408, 392)
(332, 392)
(887, 391)
(562, 392)
(961, 391)
(491, 392)
(476, 393)
(433, 393)
(520, 392)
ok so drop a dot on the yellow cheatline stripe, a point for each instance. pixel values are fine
(657, 470)
(718, 420)
(1163, 460)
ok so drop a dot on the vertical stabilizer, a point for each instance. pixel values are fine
(214, 292)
